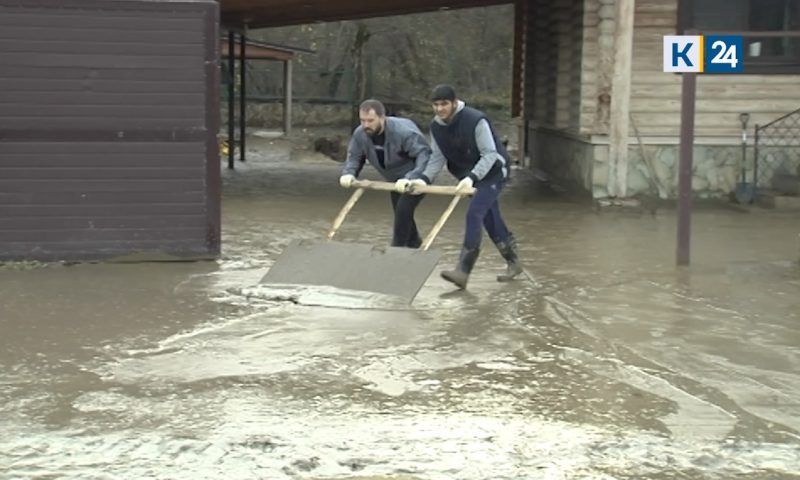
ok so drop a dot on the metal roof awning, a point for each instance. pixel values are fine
(273, 13)
(255, 50)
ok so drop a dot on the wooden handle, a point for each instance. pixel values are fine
(337, 222)
(440, 223)
(389, 186)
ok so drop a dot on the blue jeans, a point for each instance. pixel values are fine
(484, 211)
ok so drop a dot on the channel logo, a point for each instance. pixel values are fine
(703, 53)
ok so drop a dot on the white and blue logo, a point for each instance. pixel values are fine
(699, 53)
(723, 53)
(683, 53)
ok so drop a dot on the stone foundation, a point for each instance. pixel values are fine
(652, 171)
(716, 170)
(567, 159)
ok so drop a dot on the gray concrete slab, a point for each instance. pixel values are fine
(353, 266)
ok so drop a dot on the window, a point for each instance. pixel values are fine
(772, 53)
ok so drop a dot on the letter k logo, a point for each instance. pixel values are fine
(684, 54)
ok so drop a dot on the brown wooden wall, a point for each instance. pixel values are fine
(655, 96)
(108, 124)
(554, 42)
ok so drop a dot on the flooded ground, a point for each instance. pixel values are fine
(608, 363)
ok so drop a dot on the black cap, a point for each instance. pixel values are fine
(443, 92)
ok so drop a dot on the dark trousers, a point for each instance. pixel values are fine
(484, 212)
(405, 229)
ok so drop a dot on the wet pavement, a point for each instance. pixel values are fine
(608, 363)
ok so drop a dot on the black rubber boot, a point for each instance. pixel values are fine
(460, 275)
(508, 250)
(414, 242)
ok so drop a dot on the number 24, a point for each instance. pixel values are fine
(726, 53)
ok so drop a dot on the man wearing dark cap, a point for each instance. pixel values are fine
(398, 150)
(464, 138)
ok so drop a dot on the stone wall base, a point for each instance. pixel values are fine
(575, 161)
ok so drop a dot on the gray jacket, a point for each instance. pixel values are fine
(406, 152)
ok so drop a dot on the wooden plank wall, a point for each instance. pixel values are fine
(569, 21)
(656, 96)
(597, 65)
(108, 127)
(553, 63)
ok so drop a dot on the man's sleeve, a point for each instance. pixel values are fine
(355, 158)
(417, 147)
(488, 150)
(435, 164)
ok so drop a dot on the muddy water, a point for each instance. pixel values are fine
(608, 363)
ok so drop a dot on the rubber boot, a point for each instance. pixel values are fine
(460, 275)
(415, 242)
(508, 250)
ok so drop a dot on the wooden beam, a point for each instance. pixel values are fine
(517, 69)
(272, 13)
(688, 91)
(620, 99)
(256, 52)
(287, 96)
(242, 95)
(231, 85)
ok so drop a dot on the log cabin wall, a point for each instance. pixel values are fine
(571, 144)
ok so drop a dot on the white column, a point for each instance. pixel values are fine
(620, 99)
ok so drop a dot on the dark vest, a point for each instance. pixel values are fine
(457, 142)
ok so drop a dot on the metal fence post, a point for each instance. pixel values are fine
(688, 89)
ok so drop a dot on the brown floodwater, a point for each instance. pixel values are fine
(607, 362)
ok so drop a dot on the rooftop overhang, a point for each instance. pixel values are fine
(238, 14)
(261, 51)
